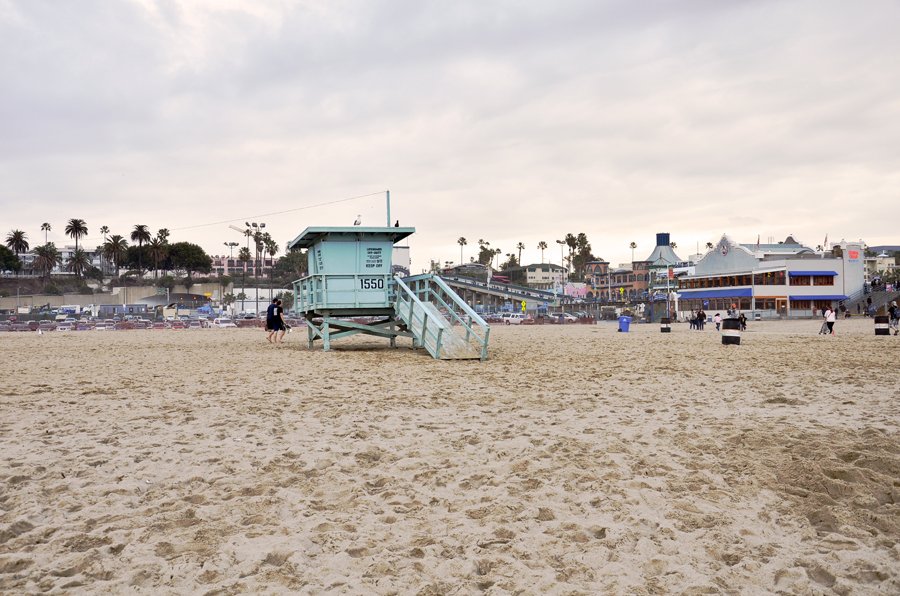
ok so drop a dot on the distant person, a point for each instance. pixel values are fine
(857, 308)
(275, 322)
(823, 330)
(829, 320)
(742, 320)
(701, 319)
(717, 319)
(894, 315)
(693, 319)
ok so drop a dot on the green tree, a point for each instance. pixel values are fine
(140, 234)
(485, 252)
(9, 261)
(190, 258)
(510, 262)
(163, 235)
(77, 229)
(158, 251)
(17, 241)
(45, 228)
(46, 257)
(78, 262)
(115, 249)
(166, 281)
(291, 266)
(287, 299)
(520, 247)
(272, 250)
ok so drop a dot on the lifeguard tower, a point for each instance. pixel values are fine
(350, 290)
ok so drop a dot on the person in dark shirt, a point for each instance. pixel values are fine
(275, 322)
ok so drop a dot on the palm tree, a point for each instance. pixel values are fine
(17, 241)
(632, 246)
(163, 235)
(76, 228)
(462, 242)
(45, 227)
(542, 246)
(140, 234)
(272, 249)
(78, 262)
(497, 252)
(157, 252)
(116, 249)
(46, 257)
(244, 256)
(520, 246)
(673, 245)
(103, 230)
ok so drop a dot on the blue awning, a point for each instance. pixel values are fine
(718, 293)
(819, 297)
(811, 273)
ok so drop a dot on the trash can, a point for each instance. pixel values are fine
(624, 323)
(882, 325)
(664, 325)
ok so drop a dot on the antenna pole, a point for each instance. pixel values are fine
(388, 193)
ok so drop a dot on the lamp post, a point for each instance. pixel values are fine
(256, 229)
(562, 264)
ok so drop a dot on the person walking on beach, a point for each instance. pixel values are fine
(275, 322)
(718, 321)
(829, 320)
(742, 320)
(701, 319)
(894, 315)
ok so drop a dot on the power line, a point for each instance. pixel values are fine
(248, 217)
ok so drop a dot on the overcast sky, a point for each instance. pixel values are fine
(506, 121)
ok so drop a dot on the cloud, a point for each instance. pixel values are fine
(509, 121)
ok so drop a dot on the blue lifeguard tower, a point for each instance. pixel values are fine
(350, 290)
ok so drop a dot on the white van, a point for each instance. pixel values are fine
(514, 318)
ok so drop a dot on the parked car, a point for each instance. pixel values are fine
(195, 325)
(178, 324)
(223, 323)
(514, 318)
(565, 317)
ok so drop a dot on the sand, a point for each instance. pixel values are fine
(576, 460)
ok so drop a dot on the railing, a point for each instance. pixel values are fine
(428, 328)
(518, 291)
(432, 289)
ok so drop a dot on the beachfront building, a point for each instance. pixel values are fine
(540, 276)
(617, 284)
(785, 279)
(225, 265)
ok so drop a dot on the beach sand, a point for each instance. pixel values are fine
(575, 460)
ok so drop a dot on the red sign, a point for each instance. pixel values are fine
(854, 254)
(671, 273)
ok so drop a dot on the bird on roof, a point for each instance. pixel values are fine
(397, 224)
(358, 220)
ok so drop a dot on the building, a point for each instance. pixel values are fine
(787, 279)
(235, 267)
(540, 276)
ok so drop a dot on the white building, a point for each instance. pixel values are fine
(787, 279)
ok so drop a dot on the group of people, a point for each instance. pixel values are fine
(275, 325)
(698, 319)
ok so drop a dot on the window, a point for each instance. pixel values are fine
(823, 280)
(801, 280)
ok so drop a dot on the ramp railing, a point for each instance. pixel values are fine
(427, 326)
(431, 289)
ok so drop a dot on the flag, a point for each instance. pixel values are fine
(757, 242)
(825, 244)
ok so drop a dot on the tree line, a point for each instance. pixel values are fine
(577, 245)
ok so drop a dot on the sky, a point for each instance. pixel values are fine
(506, 121)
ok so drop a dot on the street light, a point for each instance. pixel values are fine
(562, 264)
(257, 227)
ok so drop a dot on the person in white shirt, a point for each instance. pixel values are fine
(829, 320)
